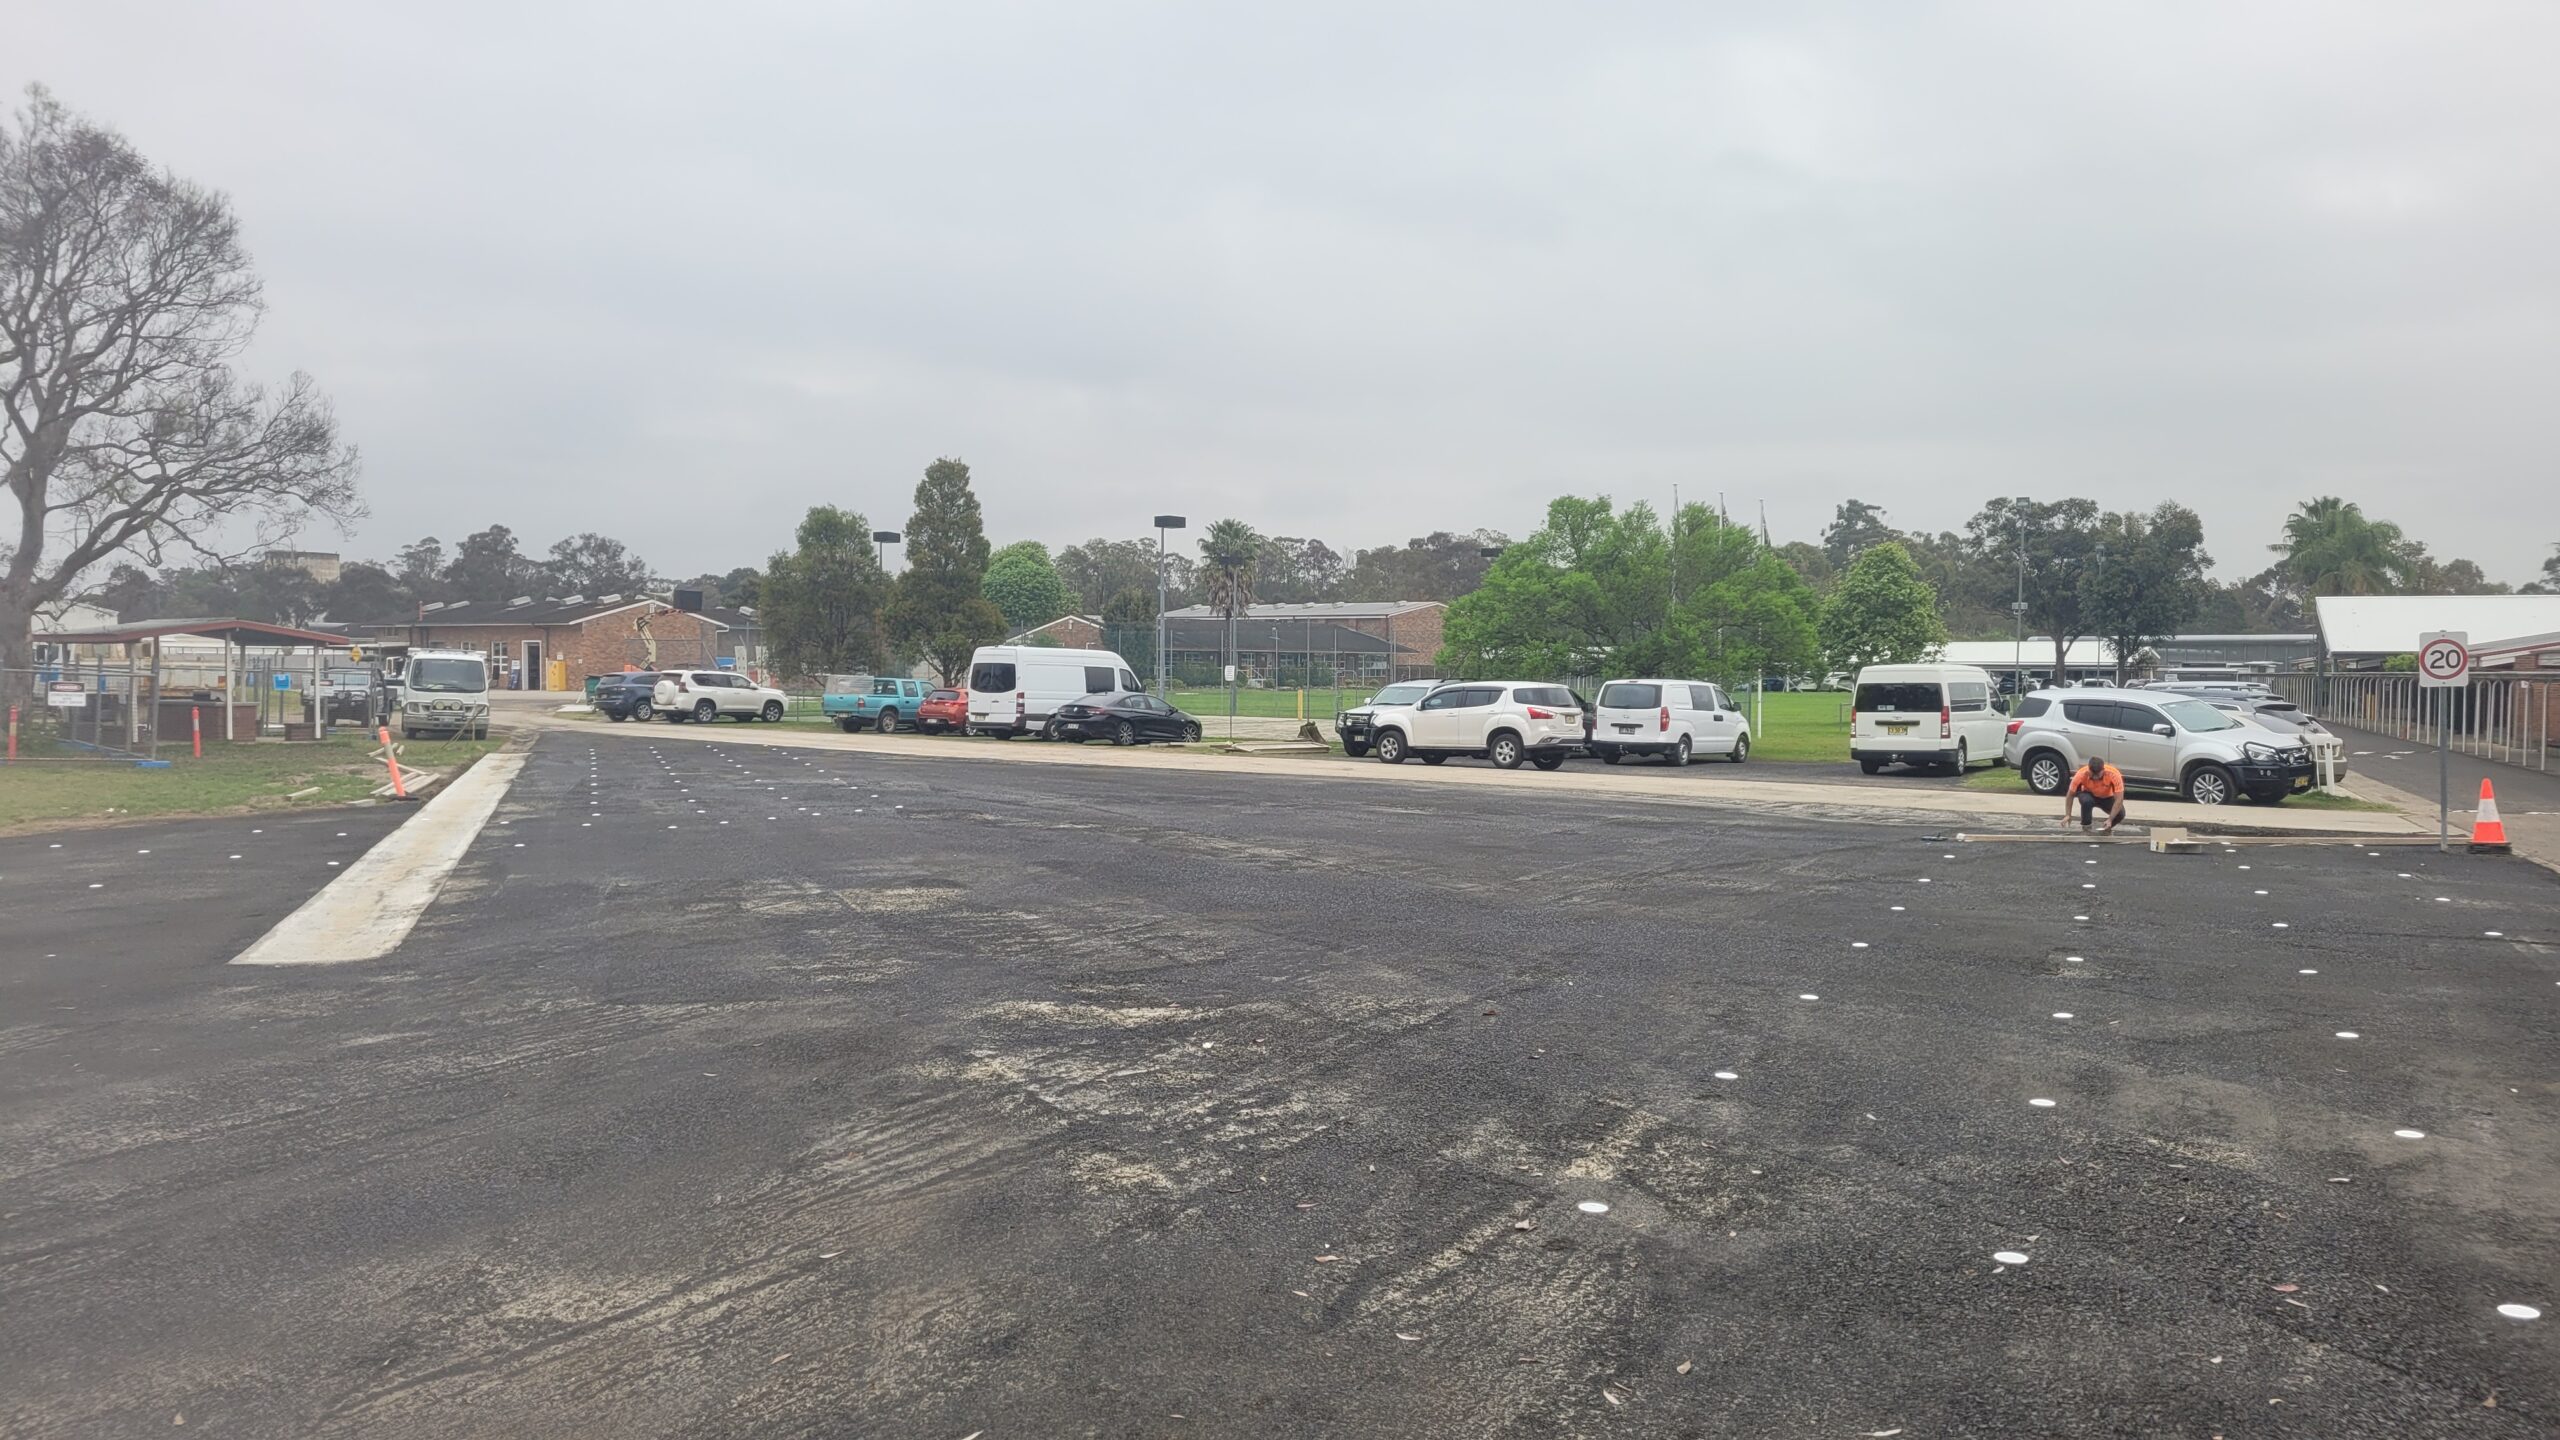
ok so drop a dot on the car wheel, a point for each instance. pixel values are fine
(1391, 749)
(704, 712)
(1548, 762)
(1435, 759)
(2046, 774)
(1504, 751)
(772, 712)
(1354, 749)
(479, 732)
(1190, 731)
(1741, 748)
(1964, 760)
(616, 716)
(849, 724)
(1680, 752)
(1871, 767)
(1124, 733)
(2210, 785)
(1610, 757)
(888, 722)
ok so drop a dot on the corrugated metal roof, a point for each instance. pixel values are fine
(2038, 650)
(2391, 624)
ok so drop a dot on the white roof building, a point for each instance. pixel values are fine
(2036, 652)
(2360, 626)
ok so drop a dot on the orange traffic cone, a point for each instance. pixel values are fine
(2488, 833)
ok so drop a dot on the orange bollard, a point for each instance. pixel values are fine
(195, 728)
(399, 787)
(2488, 832)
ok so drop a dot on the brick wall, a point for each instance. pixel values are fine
(1416, 634)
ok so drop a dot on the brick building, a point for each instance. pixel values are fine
(556, 644)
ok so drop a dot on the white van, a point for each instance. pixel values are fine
(444, 692)
(1938, 715)
(1013, 689)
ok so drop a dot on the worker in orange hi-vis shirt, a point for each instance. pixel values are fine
(2099, 786)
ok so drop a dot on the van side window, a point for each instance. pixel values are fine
(1098, 679)
(1703, 697)
(1129, 681)
(1969, 695)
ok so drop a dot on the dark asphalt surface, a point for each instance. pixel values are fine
(2411, 766)
(1082, 1102)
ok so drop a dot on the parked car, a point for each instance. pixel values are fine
(942, 710)
(348, 694)
(1014, 689)
(2161, 742)
(706, 695)
(2284, 718)
(1934, 715)
(1123, 717)
(630, 695)
(1357, 724)
(1670, 720)
(1504, 721)
(881, 702)
(445, 692)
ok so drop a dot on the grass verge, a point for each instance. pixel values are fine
(230, 778)
(2010, 782)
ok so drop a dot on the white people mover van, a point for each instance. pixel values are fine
(444, 692)
(1935, 715)
(1013, 689)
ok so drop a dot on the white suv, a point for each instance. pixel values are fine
(2166, 742)
(706, 695)
(1496, 720)
(1673, 719)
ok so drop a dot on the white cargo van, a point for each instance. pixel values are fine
(1013, 689)
(1936, 715)
(444, 692)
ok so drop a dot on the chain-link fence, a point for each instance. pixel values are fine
(109, 710)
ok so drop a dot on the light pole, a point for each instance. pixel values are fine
(1163, 523)
(2018, 608)
(881, 540)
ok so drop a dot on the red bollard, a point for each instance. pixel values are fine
(195, 724)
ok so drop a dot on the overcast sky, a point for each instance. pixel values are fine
(1363, 271)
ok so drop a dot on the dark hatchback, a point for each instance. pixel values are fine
(1123, 717)
(626, 696)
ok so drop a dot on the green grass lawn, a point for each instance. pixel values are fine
(2010, 782)
(251, 776)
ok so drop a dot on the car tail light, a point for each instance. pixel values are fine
(1946, 724)
(2014, 724)
(1666, 717)
(680, 685)
(1537, 714)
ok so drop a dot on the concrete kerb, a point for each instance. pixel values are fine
(1849, 799)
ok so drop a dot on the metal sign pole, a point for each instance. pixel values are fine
(2444, 772)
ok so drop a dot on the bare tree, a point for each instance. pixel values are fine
(125, 294)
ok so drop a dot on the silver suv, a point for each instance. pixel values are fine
(2160, 741)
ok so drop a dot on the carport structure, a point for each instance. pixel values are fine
(236, 636)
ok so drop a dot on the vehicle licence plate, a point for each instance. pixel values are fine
(1624, 729)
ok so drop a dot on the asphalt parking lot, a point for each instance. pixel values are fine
(768, 1092)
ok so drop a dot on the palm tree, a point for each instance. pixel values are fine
(2330, 548)
(1230, 549)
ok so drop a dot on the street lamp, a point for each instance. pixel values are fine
(881, 540)
(1163, 523)
(2018, 608)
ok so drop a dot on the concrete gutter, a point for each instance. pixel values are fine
(1641, 786)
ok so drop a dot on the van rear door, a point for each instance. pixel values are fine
(1900, 712)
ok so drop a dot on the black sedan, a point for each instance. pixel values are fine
(1123, 717)
(625, 696)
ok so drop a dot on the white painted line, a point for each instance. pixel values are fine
(371, 907)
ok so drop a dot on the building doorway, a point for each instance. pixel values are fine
(533, 665)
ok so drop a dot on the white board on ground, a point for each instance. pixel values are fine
(371, 907)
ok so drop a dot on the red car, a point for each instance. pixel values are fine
(943, 710)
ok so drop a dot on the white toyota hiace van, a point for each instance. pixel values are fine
(1014, 688)
(1936, 715)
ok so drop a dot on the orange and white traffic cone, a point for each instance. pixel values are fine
(2488, 833)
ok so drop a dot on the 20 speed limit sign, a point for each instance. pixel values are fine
(2444, 659)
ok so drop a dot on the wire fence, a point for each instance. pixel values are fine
(110, 711)
(2506, 718)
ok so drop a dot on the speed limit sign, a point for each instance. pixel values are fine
(2444, 659)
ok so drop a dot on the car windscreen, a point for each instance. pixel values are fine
(1630, 697)
(1897, 699)
(1404, 694)
(450, 677)
(2197, 716)
(991, 676)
